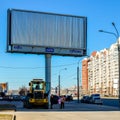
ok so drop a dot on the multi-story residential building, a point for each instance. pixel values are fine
(85, 76)
(100, 72)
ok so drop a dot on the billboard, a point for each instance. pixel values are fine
(3, 87)
(42, 33)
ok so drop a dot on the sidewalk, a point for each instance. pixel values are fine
(7, 117)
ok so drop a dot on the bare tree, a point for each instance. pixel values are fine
(23, 90)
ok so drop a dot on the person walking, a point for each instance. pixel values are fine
(51, 101)
(62, 102)
(59, 101)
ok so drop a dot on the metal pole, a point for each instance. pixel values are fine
(48, 76)
(119, 71)
(117, 34)
(117, 37)
(59, 85)
(78, 83)
(108, 32)
(59, 80)
(115, 29)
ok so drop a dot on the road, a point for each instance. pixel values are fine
(110, 101)
(69, 106)
(72, 111)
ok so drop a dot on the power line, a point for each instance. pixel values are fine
(7, 67)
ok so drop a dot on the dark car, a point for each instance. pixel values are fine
(85, 99)
(69, 98)
(55, 99)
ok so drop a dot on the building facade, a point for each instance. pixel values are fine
(102, 72)
(85, 76)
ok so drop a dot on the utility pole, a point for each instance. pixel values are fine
(78, 81)
(59, 80)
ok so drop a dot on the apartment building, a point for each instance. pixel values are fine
(85, 76)
(101, 74)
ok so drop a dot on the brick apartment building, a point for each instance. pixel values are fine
(85, 76)
(100, 72)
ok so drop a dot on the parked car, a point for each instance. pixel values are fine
(85, 99)
(69, 98)
(16, 97)
(95, 99)
(55, 99)
(22, 98)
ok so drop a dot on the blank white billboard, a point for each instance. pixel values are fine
(40, 32)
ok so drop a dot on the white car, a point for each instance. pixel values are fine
(95, 98)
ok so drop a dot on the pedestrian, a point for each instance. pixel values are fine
(62, 102)
(51, 101)
(59, 101)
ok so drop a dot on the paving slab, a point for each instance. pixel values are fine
(7, 117)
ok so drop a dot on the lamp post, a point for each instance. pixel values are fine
(117, 37)
(78, 71)
(78, 79)
(59, 80)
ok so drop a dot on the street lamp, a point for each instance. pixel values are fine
(78, 70)
(117, 37)
(59, 80)
(108, 33)
(78, 78)
(117, 33)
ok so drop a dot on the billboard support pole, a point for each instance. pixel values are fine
(78, 83)
(48, 75)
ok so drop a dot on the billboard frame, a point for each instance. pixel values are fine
(31, 49)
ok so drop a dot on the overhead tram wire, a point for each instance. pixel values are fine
(7, 67)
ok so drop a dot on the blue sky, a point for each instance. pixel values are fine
(19, 69)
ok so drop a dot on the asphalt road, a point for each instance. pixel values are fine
(110, 101)
(72, 111)
(69, 106)
(74, 106)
